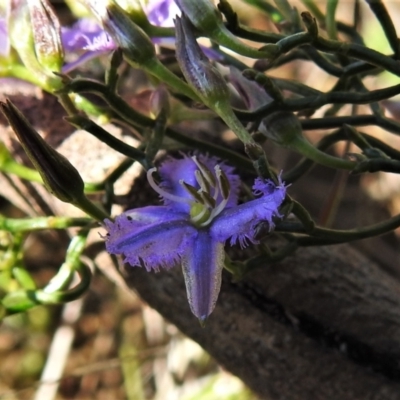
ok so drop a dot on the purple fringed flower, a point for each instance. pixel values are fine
(199, 214)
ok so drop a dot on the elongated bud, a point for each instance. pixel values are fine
(135, 44)
(59, 176)
(39, 51)
(281, 127)
(46, 35)
(198, 71)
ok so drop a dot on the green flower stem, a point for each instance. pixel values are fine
(23, 277)
(84, 204)
(330, 18)
(224, 110)
(353, 50)
(257, 35)
(72, 263)
(64, 296)
(22, 300)
(302, 146)
(117, 104)
(289, 43)
(56, 291)
(14, 225)
(65, 100)
(322, 61)
(139, 120)
(303, 215)
(315, 102)
(225, 38)
(112, 75)
(13, 255)
(157, 69)
(355, 120)
(21, 72)
(32, 175)
(323, 236)
(158, 31)
(362, 140)
(12, 167)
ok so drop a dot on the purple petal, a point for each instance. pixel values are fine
(202, 266)
(86, 34)
(239, 223)
(173, 170)
(4, 40)
(253, 95)
(153, 236)
(162, 12)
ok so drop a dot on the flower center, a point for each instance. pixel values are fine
(207, 201)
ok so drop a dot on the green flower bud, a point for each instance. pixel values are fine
(285, 130)
(59, 176)
(197, 69)
(46, 35)
(34, 34)
(282, 127)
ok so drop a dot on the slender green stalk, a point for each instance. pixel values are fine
(330, 18)
(305, 148)
(154, 67)
(29, 224)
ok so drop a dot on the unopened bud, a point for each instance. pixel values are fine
(59, 176)
(39, 51)
(282, 127)
(198, 71)
(46, 35)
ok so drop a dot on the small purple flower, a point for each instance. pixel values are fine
(199, 214)
(162, 12)
(89, 39)
(87, 36)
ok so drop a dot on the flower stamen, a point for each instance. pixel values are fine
(207, 174)
(162, 192)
